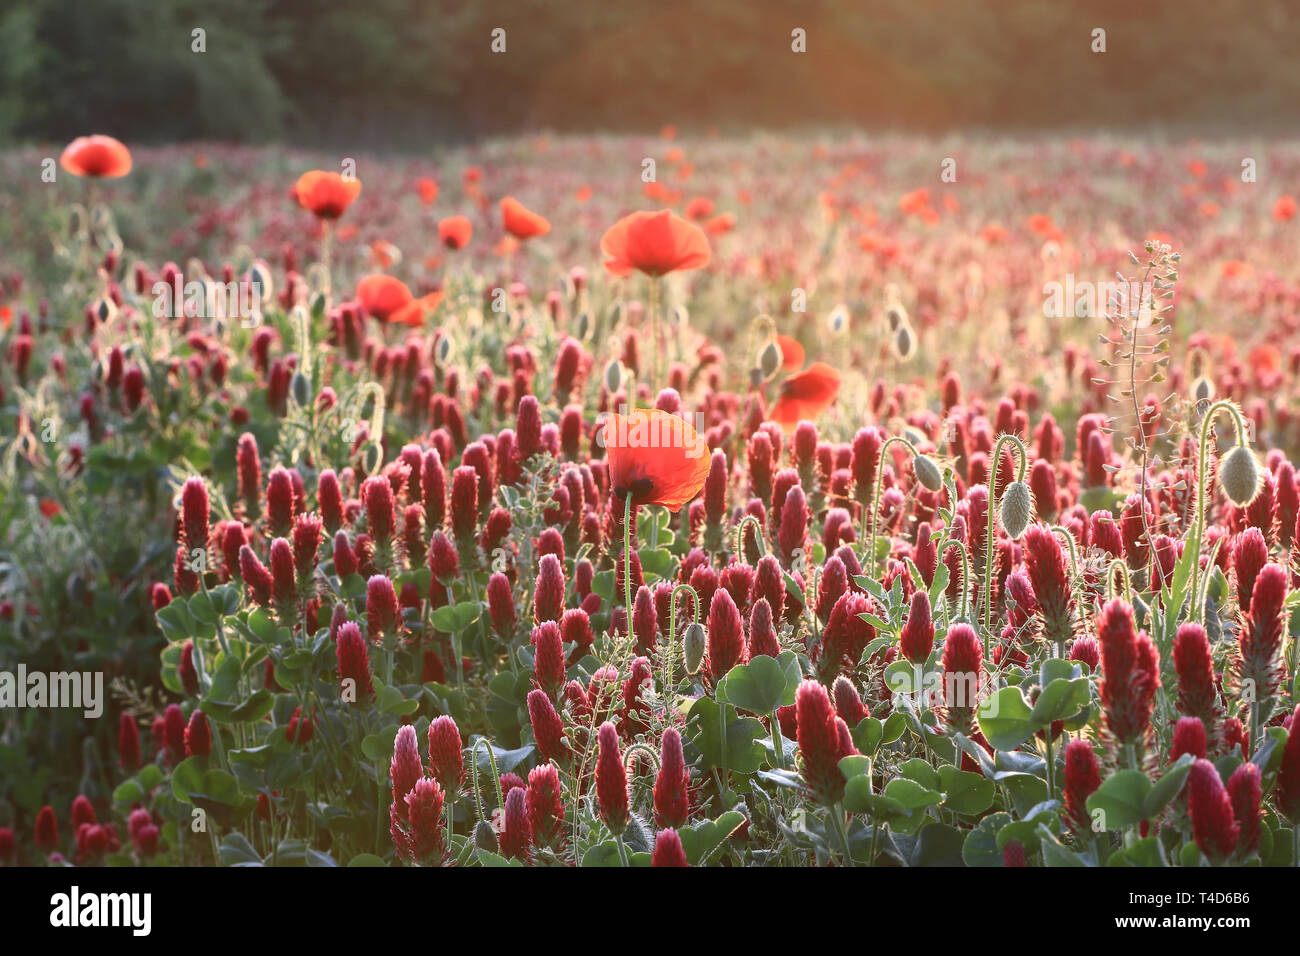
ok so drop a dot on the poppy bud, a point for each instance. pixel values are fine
(1239, 476)
(927, 472)
(769, 360)
(1016, 510)
(694, 641)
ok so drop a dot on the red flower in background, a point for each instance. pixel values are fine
(102, 157)
(792, 353)
(521, 222)
(655, 457)
(327, 195)
(383, 296)
(655, 243)
(806, 395)
(455, 231)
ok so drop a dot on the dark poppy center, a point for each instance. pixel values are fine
(639, 488)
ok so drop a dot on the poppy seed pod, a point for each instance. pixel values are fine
(904, 342)
(1239, 476)
(613, 376)
(694, 641)
(927, 472)
(1016, 509)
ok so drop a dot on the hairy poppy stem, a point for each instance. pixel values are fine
(627, 558)
(989, 544)
(671, 654)
(758, 536)
(965, 573)
(875, 496)
(1202, 477)
(1115, 564)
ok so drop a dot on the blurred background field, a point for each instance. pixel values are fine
(412, 73)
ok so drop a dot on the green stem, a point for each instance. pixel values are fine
(965, 573)
(1202, 478)
(627, 558)
(837, 817)
(875, 495)
(758, 536)
(671, 654)
(776, 742)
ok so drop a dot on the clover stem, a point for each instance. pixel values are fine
(837, 817)
(776, 742)
(1202, 477)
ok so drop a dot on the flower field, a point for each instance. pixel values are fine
(672, 500)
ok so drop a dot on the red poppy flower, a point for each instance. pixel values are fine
(520, 222)
(806, 395)
(723, 222)
(326, 194)
(100, 156)
(654, 243)
(1284, 209)
(454, 231)
(49, 507)
(655, 457)
(792, 353)
(427, 187)
(382, 296)
(701, 207)
(413, 312)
